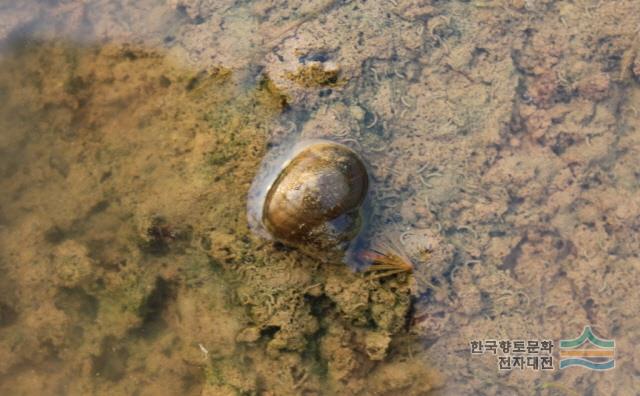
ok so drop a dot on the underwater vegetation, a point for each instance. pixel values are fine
(386, 259)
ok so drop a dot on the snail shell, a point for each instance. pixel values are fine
(314, 201)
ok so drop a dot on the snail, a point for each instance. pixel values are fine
(311, 199)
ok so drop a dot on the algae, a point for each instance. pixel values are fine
(142, 219)
(315, 74)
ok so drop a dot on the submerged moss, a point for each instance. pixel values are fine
(315, 75)
(133, 125)
(145, 228)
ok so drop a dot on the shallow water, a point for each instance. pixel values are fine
(503, 143)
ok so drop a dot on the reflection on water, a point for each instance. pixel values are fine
(502, 138)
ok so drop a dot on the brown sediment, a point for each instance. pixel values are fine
(126, 177)
(109, 172)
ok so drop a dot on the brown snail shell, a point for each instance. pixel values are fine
(314, 201)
